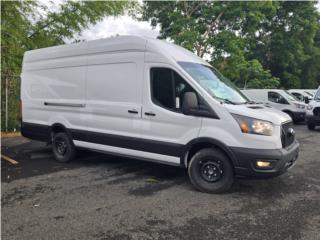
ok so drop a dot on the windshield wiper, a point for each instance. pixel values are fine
(226, 100)
(252, 102)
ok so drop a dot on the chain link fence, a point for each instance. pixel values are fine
(10, 103)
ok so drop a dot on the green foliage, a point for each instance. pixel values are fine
(255, 44)
(23, 28)
(255, 76)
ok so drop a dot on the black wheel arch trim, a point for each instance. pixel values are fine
(61, 126)
(205, 140)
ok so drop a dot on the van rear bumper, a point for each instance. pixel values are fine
(35, 131)
(281, 160)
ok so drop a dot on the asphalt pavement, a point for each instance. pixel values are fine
(105, 197)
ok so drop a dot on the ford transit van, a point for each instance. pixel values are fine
(302, 95)
(279, 99)
(313, 111)
(152, 100)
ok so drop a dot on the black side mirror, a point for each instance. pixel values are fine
(192, 106)
(190, 103)
(306, 100)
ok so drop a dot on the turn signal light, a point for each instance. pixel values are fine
(244, 127)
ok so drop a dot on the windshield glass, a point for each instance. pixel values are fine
(289, 96)
(214, 83)
(317, 95)
(310, 94)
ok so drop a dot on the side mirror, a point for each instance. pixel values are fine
(191, 106)
(190, 103)
(306, 100)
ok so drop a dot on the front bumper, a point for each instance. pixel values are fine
(298, 116)
(282, 160)
(313, 119)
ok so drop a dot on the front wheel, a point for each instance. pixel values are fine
(211, 171)
(311, 126)
(63, 148)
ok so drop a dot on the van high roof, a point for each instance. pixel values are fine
(114, 45)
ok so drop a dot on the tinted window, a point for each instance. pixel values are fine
(162, 87)
(277, 98)
(168, 88)
(298, 96)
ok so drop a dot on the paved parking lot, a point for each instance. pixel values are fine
(104, 197)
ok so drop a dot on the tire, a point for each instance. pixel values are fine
(202, 167)
(63, 148)
(311, 126)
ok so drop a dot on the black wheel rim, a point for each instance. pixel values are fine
(61, 146)
(211, 170)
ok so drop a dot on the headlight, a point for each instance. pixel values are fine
(254, 126)
(309, 107)
(300, 106)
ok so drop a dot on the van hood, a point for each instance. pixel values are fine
(299, 102)
(259, 111)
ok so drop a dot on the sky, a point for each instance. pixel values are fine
(111, 26)
(123, 25)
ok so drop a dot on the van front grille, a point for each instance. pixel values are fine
(287, 134)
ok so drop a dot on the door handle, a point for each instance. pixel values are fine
(150, 114)
(133, 111)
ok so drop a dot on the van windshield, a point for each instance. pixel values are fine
(289, 96)
(310, 94)
(214, 83)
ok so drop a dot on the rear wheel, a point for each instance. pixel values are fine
(63, 148)
(211, 171)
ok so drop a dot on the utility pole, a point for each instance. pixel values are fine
(6, 104)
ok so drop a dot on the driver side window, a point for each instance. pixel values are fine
(168, 88)
(276, 98)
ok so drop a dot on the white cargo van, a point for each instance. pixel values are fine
(303, 95)
(279, 99)
(313, 111)
(151, 100)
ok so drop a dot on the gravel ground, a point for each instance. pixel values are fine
(104, 197)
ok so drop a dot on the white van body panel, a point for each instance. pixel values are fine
(54, 82)
(114, 85)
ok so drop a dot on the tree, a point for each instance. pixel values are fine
(278, 38)
(23, 28)
(287, 45)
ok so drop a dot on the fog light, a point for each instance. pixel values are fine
(263, 164)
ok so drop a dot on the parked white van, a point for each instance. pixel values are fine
(302, 95)
(279, 99)
(313, 111)
(151, 100)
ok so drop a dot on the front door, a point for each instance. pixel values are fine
(163, 123)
